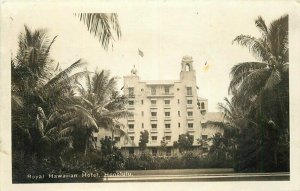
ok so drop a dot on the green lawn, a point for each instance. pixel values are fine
(180, 171)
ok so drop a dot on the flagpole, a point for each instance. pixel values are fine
(140, 55)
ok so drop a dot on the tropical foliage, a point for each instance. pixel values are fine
(54, 116)
(144, 139)
(102, 26)
(112, 159)
(257, 117)
(185, 142)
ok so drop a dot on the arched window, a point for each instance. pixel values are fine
(187, 67)
(202, 105)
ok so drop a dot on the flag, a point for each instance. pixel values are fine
(141, 53)
(206, 66)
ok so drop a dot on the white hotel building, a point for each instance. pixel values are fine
(165, 109)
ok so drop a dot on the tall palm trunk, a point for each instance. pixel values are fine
(86, 144)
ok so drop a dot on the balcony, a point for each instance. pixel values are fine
(189, 105)
(168, 106)
(189, 118)
(130, 119)
(154, 106)
(190, 129)
(130, 107)
(163, 94)
(131, 95)
(153, 118)
(167, 130)
(153, 130)
(167, 118)
(131, 130)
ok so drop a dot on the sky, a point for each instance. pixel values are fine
(164, 32)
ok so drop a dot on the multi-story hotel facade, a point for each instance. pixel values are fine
(165, 109)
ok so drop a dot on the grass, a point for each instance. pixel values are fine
(179, 171)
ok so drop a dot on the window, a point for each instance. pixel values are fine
(203, 125)
(178, 124)
(131, 102)
(190, 113)
(190, 125)
(187, 67)
(168, 138)
(167, 126)
(131, 151)
(189, 102)
(142, 125)
(142, 113)
(118, 126)
(178, 101)
(153, 114)
(167, 114)
(117, 139)
(167, 102)
(142, 90)
(154, 139)
(153, 102)
(131, 126)
(153, 91)
(131, 92)
(189, 90)
(132, 138)
(167, 90)
(96, 138)
(154, 151)
(154, 126)
(130, 116)
(142, 102)
(178, 113)
(204, 137)
(168, 152)
(202, 105)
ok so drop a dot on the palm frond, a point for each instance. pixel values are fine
(260, 23)
(66, 131)
(255, 46)
(88, 83)
(285, 68)
(273, 80)
(87, 119)
(53, 130)
(240, 71)
(102, 25)
(88, 103)
(16, 101)
(254, 82)
(117, 114)
(63, 75)
(278, 35)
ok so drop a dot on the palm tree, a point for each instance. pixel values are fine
(32, 65)
(102, 25)
(261, 91)
(36, 88)
(96, 105)
(270, 72)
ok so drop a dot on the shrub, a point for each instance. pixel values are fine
(188, 160)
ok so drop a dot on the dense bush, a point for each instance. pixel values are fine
(111, 158)
(72, 163)
(187, 160)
